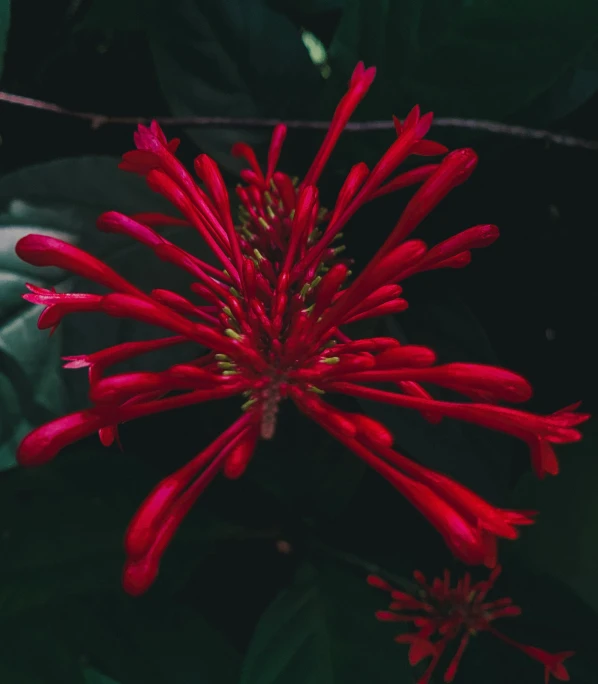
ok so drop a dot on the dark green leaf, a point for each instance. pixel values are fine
(64, 198)
(94, 677)
(231, 58)
(322, 630)
(574, 87)
(307, 6)
(133, 641)
(4, 26)
(62, 527)
(34, 652)
(148, 642)
(563, 541)
(121, 15)
(469, 58)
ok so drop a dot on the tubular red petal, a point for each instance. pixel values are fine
(328, 287)
(54, 313)
(543, 458)
(286, 189)
(475, 380)
(122, 352)
(42, 250)
(396, 306)
(278, 135)
(378, 583)
(371, 344)
(360, 83)
(154, 218)
(43, 444)
(115, 222)
(404, 180)
(407, 356)
(323, 413)
(371, 431)
(243, 150)
(140, 162)
(382, 295)
(239, 457)
(512, 421)
(108, 435)
(143, 528)
(140, 572)
(472, 238)
(118, 388)
(208, 170)
(369, 280)
(454, 169)
(353, 182)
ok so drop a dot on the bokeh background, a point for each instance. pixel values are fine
(232, 603)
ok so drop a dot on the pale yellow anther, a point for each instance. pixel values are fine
(315, 390)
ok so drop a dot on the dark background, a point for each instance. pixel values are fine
(531, 297)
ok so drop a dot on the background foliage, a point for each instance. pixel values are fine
(233, 603)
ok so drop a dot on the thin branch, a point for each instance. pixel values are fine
(99, 120)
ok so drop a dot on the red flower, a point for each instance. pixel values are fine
(443, 614)
(272, 317)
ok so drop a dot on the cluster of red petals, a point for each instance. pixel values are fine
(443, 614)
(272, 313)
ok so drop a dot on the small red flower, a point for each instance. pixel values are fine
(444, 614)
(273, 315)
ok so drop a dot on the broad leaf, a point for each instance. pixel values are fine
(33, 653)
(482, 58)
(574, 86)
(563, 541)
(63, 526)
(231, 58)
(94, 677)
(148, 641)
(64, 198)
(4, 26)
(307, 6)
(322, 630)
(121, 15)
(131, 641)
